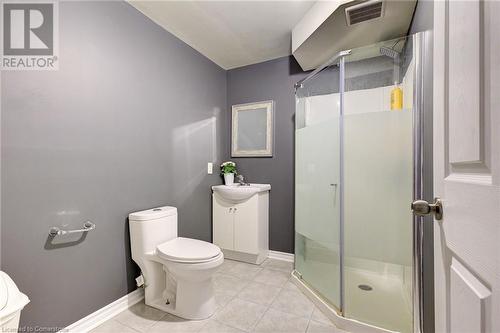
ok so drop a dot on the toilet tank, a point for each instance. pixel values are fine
(149, 228)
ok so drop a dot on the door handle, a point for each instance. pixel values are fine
(423, 208)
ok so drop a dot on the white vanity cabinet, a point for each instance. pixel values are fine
(241, 225)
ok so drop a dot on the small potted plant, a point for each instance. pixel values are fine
(228, 170)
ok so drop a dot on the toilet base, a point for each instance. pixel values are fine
(184, 290)
(196, 301)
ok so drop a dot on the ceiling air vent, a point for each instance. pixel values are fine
(364, 11)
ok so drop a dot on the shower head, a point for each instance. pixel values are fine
(389, 52)
(395, 56)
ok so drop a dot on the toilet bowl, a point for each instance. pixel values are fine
(177, 271)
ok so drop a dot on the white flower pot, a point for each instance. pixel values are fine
(229, 179)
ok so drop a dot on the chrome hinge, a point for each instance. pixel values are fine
(423, 208)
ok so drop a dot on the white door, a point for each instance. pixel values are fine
(223, 223)
(467, 165)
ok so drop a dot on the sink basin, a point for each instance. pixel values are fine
(239, 193)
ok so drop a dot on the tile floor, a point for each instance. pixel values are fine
(249, 298)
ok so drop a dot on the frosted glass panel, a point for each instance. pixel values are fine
(317, 186)
(378, 178)
(317, 177)
(317, 197)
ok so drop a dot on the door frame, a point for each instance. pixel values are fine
(423, 185)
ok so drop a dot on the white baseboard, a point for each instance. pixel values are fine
(109, 311)
(281, 256)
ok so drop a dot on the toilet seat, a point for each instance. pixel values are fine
(188, 250)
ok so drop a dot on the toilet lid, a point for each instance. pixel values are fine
(187, 250)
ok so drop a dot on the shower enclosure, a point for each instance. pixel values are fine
(357, 169)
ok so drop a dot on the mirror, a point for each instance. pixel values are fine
(252, 129)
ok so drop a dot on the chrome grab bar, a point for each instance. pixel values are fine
(55, 231)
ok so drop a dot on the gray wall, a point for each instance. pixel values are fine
(271, 80)
(128, 122)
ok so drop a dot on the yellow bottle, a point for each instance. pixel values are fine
(396, 98)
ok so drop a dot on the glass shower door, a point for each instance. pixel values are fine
(317, 184)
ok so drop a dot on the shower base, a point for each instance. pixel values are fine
(384, 303)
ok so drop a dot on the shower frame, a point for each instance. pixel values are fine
(421, 186)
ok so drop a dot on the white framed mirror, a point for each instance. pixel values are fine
(252, 129)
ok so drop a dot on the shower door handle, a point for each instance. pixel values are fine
(423, 208)
(334, 185)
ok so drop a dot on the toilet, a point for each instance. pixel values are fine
(177, 271)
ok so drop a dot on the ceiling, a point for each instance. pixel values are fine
(230, 33)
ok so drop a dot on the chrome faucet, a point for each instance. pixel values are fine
(241, 180)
